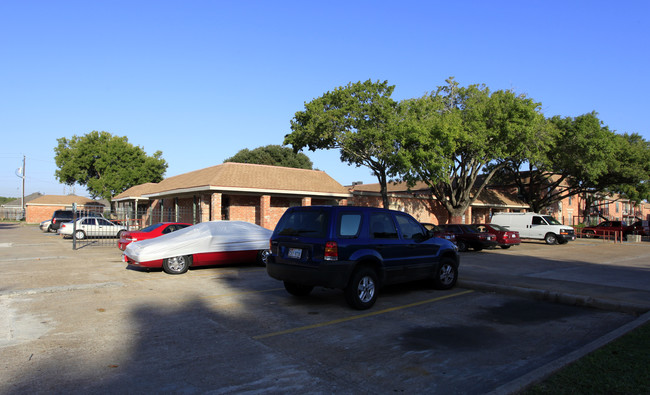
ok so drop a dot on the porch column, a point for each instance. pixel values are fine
(205, 208)
(215, 213)
(265, 211)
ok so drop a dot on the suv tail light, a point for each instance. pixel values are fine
(331, 251)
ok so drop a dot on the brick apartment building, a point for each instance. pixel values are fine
(260, 194)
(231, 191)
(42, 208)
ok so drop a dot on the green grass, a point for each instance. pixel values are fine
(620, 367)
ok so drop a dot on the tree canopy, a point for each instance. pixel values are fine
(583, 157)
(273, 155)
(358, 119)
(451, 137)
(107, 165)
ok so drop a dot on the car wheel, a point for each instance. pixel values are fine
(263, 257)
(79, 235)
(589, 234)
(447, 274)
(177, 264)
(550, 238)
(462, 247)
(505, 247)
(119, 234)
(361, 292)
(297, 289)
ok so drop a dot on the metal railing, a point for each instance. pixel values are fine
(102, 234)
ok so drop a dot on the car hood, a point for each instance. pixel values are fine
(213, 236)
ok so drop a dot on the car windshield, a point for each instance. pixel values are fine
(551, 220)
(470, 229)
(150, 228)
(498, 227)
(310, 223)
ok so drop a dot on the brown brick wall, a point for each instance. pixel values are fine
(38, 214)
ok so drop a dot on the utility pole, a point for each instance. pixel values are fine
(20, 172)
(22, 201)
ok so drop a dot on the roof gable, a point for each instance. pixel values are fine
(244, 177)
(62, 200)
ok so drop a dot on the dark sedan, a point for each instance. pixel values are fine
(467, 236)
(435, 231)
(505, 238)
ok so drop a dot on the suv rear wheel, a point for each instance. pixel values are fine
(361, 292)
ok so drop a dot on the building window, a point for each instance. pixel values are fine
(617, 207)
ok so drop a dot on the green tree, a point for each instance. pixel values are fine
(583, 158)
(107, 165)
(273, 155)
(358, 119)
(456, 134)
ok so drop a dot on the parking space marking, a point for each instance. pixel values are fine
(356, 317)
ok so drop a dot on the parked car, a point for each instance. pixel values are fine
(150, 232)
(62, 216)
(91, 227)
(638, 228)
(535, 226)
(46, 226)
(605, 228)
(468, 237)
(436, 231)
(357, 249)
(505, 238)
(203, 244)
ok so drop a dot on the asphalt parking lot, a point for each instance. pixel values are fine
(80, 322)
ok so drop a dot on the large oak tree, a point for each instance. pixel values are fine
(273, 155)
(107, 165)
(584, 158)
(359, 120)
(451, 137)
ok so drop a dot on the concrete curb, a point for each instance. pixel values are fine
(550, 368)
(558, 297)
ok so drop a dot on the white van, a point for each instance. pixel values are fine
(535, 226)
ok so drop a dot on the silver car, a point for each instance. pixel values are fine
(91, 227)
(46, 225)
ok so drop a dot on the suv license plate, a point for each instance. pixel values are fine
(295, 253)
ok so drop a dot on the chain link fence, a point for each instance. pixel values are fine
(92, 230)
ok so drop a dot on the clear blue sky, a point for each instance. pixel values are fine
(201, 80)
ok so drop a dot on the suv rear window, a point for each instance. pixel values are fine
(349, 225)
(309, 223)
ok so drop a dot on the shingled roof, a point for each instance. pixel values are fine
(488, 197)
(136, 192)
(244, 177)
(62, 200)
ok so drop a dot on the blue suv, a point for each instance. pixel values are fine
(357, 249)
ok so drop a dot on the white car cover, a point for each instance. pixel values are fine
(213, 236)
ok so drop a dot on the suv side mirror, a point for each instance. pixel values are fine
(419, 237)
